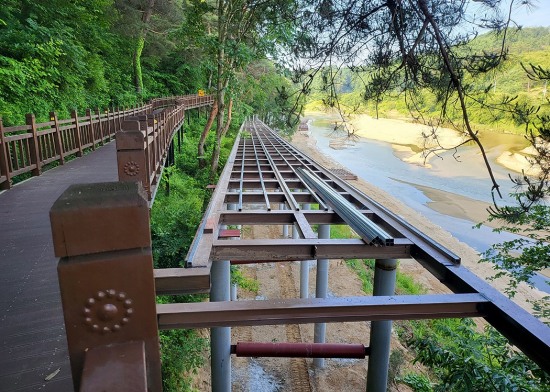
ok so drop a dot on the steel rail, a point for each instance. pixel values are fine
(290, 198)
(312, 193)
(371, 233)
(264, 191)
(383, 215)
(240, 204)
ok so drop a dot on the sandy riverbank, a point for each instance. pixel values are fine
(443, 202)
(411, 142)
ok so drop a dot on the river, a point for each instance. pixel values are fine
(379, 164)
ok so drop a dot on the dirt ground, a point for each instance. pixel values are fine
(281, 280)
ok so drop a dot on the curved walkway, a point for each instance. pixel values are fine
(32, 333)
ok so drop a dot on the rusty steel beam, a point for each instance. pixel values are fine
(305, 311)
(175, 281)
(307, 249)
(279, 217)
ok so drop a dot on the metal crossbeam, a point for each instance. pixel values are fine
(303, 311)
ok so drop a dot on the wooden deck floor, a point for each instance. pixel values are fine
(32, 334)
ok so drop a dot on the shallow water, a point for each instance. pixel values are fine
(375, 162)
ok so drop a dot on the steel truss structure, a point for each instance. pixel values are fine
(262, 185)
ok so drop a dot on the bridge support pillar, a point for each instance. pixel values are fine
(385, 273)
(321, 291)
(220, 337)
(101, 234)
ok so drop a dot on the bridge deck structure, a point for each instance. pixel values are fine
(266, 181)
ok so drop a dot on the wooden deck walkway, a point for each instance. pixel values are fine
(32, 333)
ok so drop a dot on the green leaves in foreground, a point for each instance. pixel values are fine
(465, 360)
(175, 218)
(520, 258)
(182, 354)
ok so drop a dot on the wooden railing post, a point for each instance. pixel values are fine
(132, 160)
(4, 159)
(34, 146)
(77, 135)
(101, 133)
(58, 138)
(91, 128)
(101, 233)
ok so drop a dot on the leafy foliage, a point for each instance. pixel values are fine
(465, 360)
(238, 278)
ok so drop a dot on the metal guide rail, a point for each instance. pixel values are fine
(267, 181)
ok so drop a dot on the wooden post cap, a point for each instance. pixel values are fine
(92, 218)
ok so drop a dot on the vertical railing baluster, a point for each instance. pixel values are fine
(4, 159)
(58, 140)
(91, 132)
(77, 133)
(34, 146)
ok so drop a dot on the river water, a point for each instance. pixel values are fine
(376, 162)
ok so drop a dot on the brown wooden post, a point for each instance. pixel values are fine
(58, 138)
(34, 146)
(102, 235)
(131, 154)
(4, 159)
(77, 135)
(91, 129)
(101, 135)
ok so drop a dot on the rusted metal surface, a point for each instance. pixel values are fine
(306, 249)
(304, 311)
(299, 350)
(173, 281)
(100, 307)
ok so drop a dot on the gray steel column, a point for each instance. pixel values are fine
(304, 265)
(220, 337)
(321, 291)
(384, 284)
(285, 227)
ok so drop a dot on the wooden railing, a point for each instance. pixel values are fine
(28, 148)
(145, 141)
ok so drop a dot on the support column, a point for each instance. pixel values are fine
(220, 337)
(384, 284)
(304, 265)
(321, 291)
(285, 227)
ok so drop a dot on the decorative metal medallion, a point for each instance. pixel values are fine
(131, 168)
(107, 311)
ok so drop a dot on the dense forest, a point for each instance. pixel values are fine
(268, 58)
(59, 55)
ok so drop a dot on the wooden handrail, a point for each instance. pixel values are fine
(144, 141)
(28, 148)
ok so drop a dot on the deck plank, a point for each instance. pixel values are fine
(32, 335)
